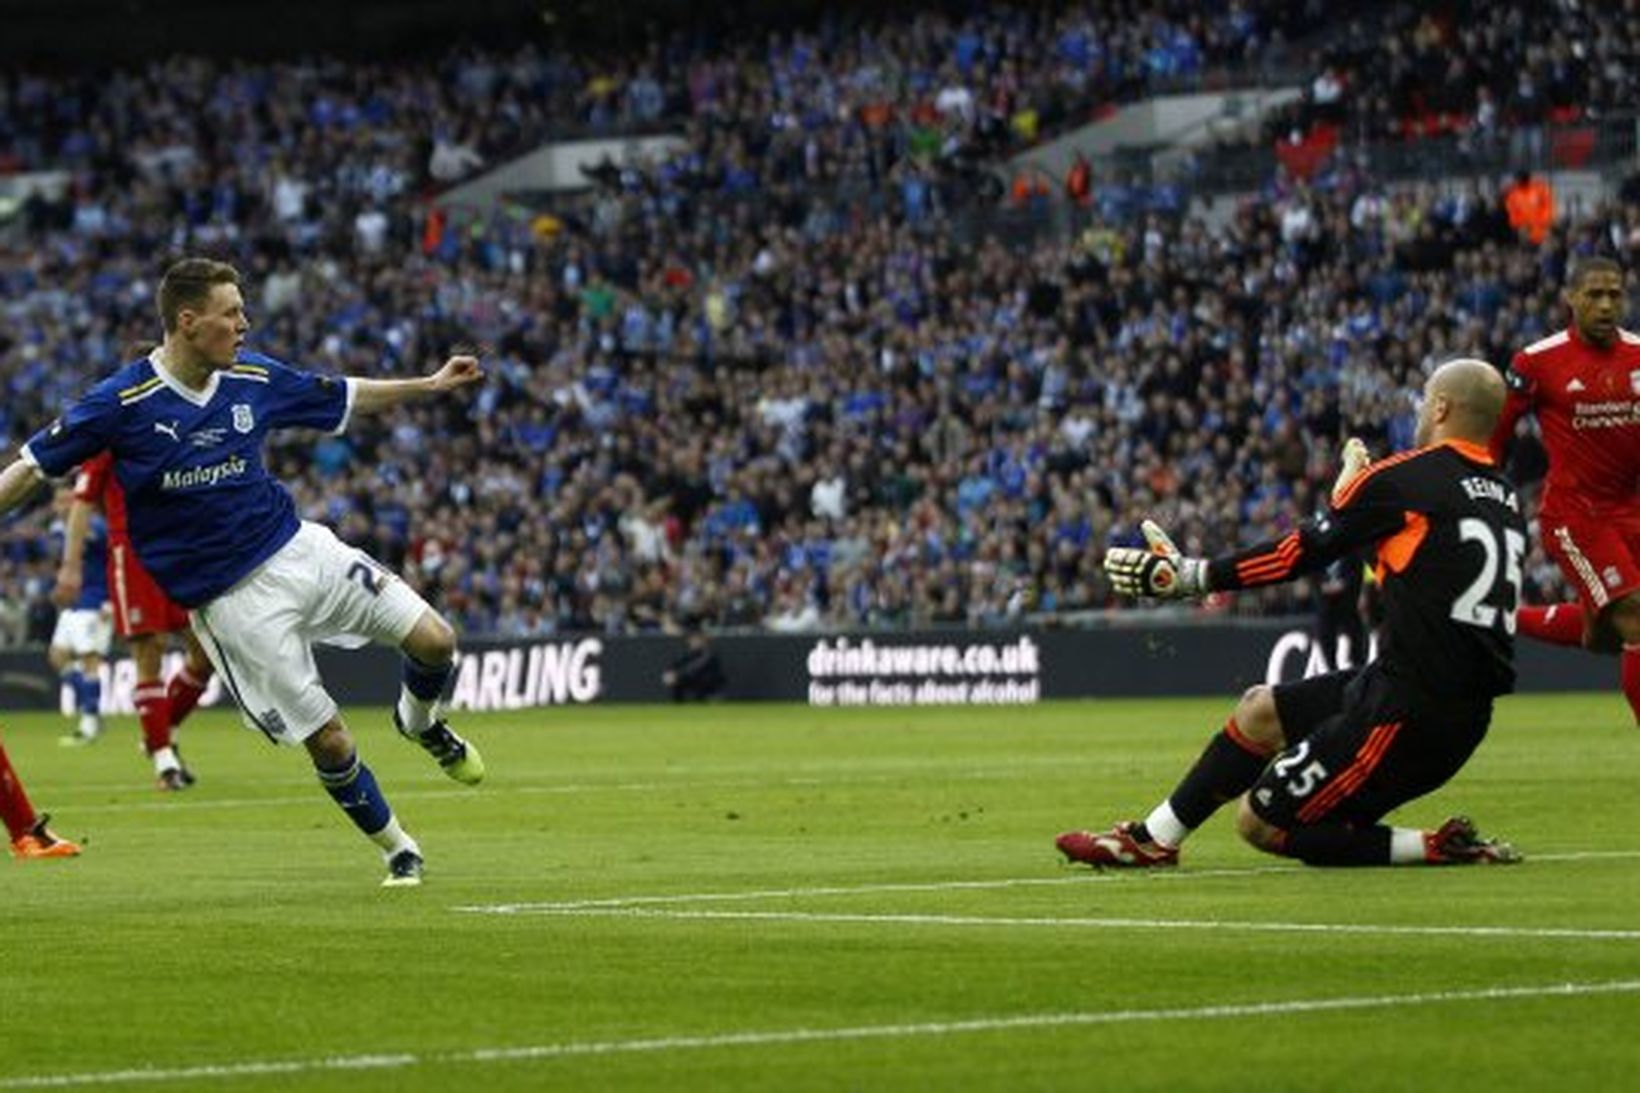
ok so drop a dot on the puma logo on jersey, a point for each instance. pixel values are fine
(169, 430)
(1575, 385)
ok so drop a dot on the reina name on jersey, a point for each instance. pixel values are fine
(1490, 489)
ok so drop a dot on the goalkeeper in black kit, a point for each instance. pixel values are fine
(1316, 765)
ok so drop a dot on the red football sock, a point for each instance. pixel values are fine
(1555, 623)
(1631, 678)
(14, 804)
(183, 695)
(155, 713)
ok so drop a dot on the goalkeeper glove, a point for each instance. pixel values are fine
(1355, 460)
(1160, 571)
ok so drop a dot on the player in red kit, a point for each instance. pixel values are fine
(143, 614)
(30, 837)
(1583, 384)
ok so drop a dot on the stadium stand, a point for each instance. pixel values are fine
(780, 378)
(1527, 85)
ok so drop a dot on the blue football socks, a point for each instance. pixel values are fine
(354, 787)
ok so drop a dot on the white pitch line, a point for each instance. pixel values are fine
(66, 793)
(776, 1037)
(1225, 925)
(224, 1070)
(170, 804)
(860, 890)
(567, 789)
(1107, 877)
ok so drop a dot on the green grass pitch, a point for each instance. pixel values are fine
(771, 897)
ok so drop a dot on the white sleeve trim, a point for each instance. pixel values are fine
(347, 411)
(26, 454)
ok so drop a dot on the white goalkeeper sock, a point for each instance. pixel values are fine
(1406, 846)
(1165, 827)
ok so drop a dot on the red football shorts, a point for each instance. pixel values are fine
(1599, 554)
(140, 605)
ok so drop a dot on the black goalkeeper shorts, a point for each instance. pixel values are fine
(1358, 746)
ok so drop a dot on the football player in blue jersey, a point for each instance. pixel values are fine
(85, 619)
(186, 426)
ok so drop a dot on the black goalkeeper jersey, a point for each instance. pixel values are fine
(1449, 541)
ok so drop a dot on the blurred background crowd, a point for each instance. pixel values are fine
(823, 365)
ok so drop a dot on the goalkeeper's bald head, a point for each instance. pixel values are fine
(1463, 399)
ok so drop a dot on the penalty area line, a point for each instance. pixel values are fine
(778, 1037)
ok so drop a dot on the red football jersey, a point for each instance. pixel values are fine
(1587, 402)
(96, 483)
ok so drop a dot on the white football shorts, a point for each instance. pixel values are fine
(84, 631)
(260, 633)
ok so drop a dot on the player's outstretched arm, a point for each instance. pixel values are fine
(374, 395)
(1359, 523)
(18, 483)
(1162, 571)
(71, 573)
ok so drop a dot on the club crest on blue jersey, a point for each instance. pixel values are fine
(243, 420)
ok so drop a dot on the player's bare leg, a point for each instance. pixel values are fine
(429, 659)
(351, 785)
(1227, 768)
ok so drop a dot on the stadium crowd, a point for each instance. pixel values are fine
(1494, 75)
(766, 381)
(999, 76)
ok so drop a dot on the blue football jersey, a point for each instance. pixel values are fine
(203, 509)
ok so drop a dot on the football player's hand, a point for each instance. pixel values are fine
(1160, 570)
(67, 589)
(457, 372)
(1353, 461)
